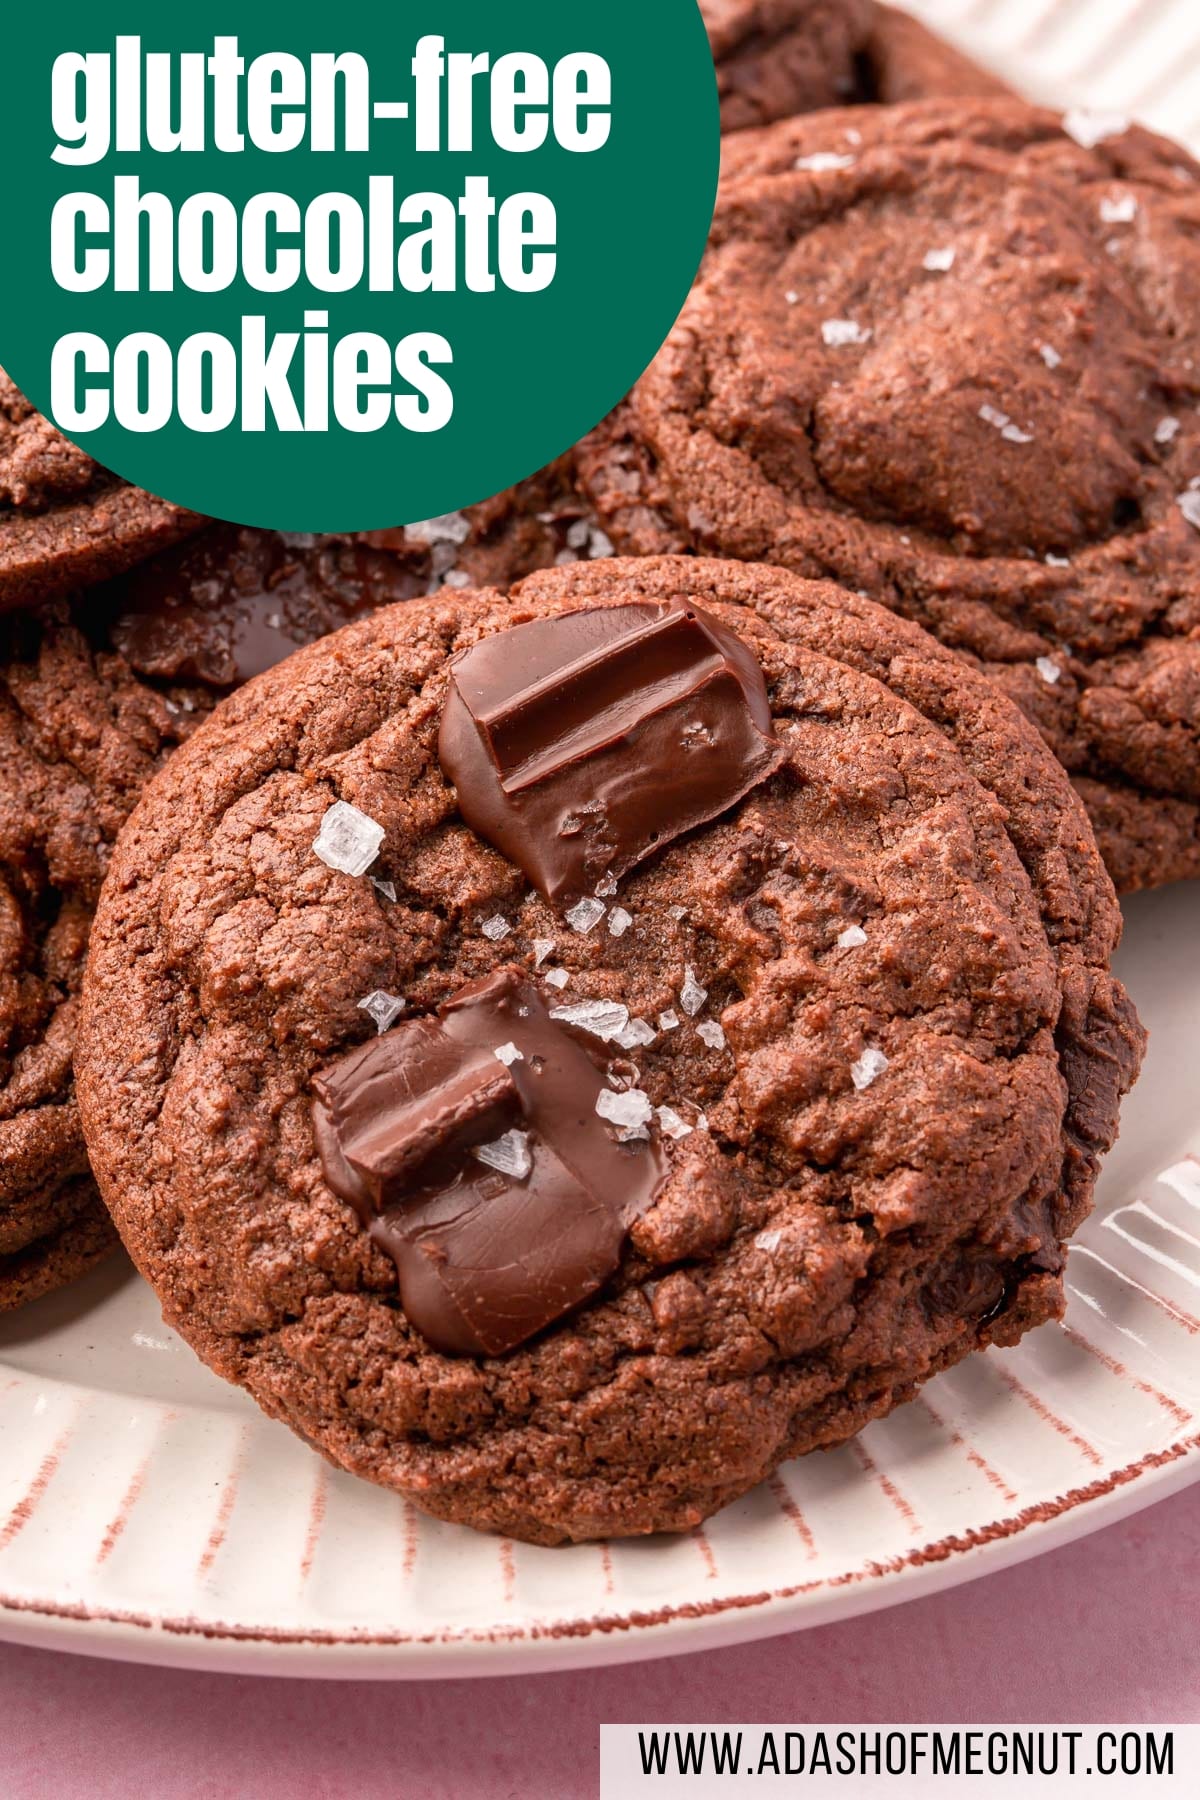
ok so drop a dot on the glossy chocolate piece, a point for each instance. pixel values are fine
(580, 744)
(235, 600)
(485, 1259)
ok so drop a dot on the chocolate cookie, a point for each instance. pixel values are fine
(956, 366)
(357, 1092)
(65, 521)
(95, 694)
(778, 57)
(84, 1236)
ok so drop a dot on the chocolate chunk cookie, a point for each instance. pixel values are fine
(778, 57)
(855, 1033)
(65, 521)
(957, 367)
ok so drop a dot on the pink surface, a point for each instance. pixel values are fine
(1102, 1631)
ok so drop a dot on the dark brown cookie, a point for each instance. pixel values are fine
(779, 57)
(84, 1236)
(65, 521)
(95, 694)
(955, 365)
(873, 997)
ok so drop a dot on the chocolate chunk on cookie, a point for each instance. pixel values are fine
(958, 369)
(779, 57)
(349, 1080)
(65, 521)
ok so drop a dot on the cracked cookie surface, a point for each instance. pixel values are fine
(877, 990)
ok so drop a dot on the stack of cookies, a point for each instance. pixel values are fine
(594, 995)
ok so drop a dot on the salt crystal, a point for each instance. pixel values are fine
(991, 415)
(636, 1035)
(509, 1154)
(1189, 506)
(1048, 670)
(630, 1110)
(691, 995)
(711, 1034)
(386, 888)
(1091, 128)
(1057, 562)
(599, 543)
(447, 528)
(823, 160)
(671, 1125)
(839, 332)
(507, 1054)
(564, 559)
(1049, 355)
(577, 534)
(871, 1063)
(457, 578)
(677, 912)
(495, 928)
(603, 1018)
(852, 937)
(606, 887)
(557, 978)
(768, 1240)
(792, 297)
(669, 1020)
(585, 914)
(619, 921)
(383, 1008)
(939, 261)
(1165, 430)
(542, 948)
(348, 840)
(1119, 211)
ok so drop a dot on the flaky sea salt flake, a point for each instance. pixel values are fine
(348, 840)
(1119, 209)
(938, 262)
(585, 915)
(557, 978)
(630, 1110)
(1189, 505)
(671, 1124)
(382, 1008)
(837, 333)
(711, 1034)
(542, 948)
(669, 1020)
(606, 887)
(1048, 669)
(619, 921)
(495, 928)
(636, 1035)
(507, 1054)
(509, 1154)
(605, 1019)
(823, 161)
(852, 937)
(1166, 430)
(386, 888)
(868, 1067)
(447, 528)
(1049, 355)
(691, 995)
(1090, 128)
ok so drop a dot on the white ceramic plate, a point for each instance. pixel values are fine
(148, 1511)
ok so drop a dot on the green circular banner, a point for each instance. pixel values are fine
(337, 270)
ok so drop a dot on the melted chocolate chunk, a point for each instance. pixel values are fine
(234, 601)
(581, 744)
(485, 1258)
